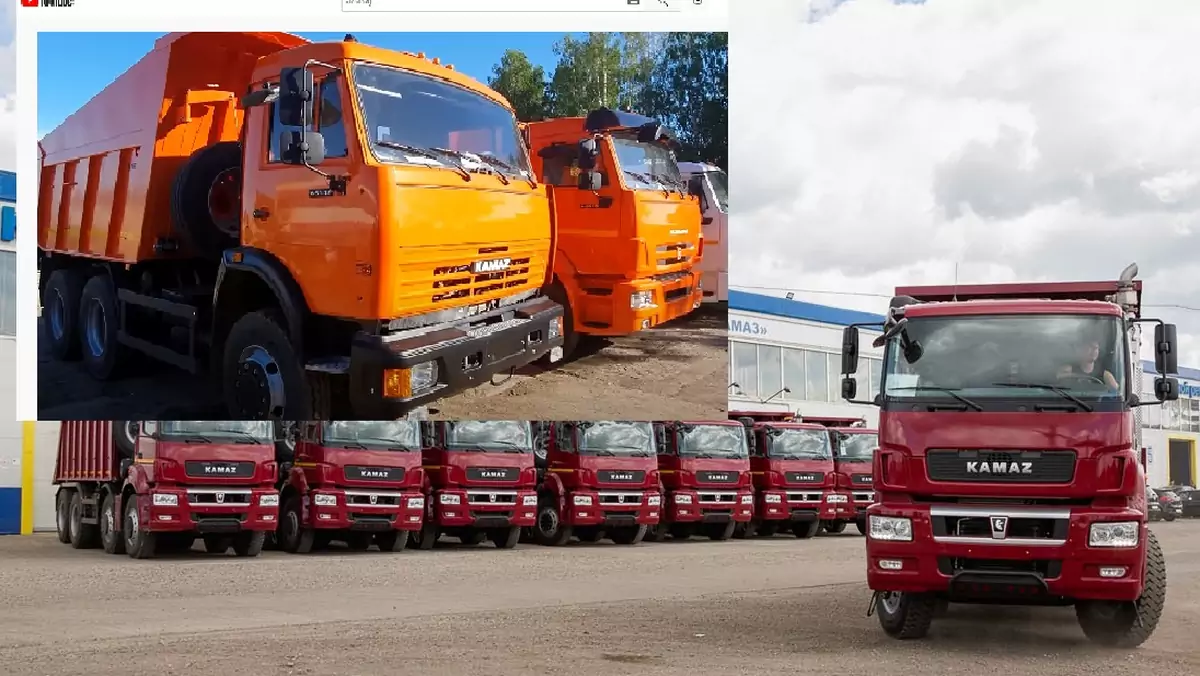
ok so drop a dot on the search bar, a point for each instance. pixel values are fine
(517, 6)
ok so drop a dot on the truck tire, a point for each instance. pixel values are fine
(262, 376)
(110, 538)
(60, 312)
(861, 525)
(139, 542)
(293, 536)
(425, 538)
(249, 544)
(99, 323)
(719, 532)
(206, 199)
(62, 514)
(835, 527)
(505, 538)
(806, 529)
(123, 437)
(549, 529)
(83, 535)
(1128, 625)
(905, 615)
(628, 535)
(394, 541)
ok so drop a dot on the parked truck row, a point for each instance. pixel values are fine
(336, 228)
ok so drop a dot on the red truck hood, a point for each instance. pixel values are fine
(372, 468)
(795, 472)
(616, 472)
(469, 468)
(216, 464)
(716, 472)
(1095, 455)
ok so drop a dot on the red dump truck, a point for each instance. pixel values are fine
(1009, 466)
(480, 482)
(359, 482)
(157, 486)
(793, 469)
(705, 470)
(853, 454)
(597, 478)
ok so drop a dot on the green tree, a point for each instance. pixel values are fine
(588, 75)
(522, 83)
(689, 92)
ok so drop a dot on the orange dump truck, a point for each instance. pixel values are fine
(315, 223)
(628, 232)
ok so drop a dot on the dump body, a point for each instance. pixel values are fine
(705, 469)
(710, 183)
(793, 470)
(627, 253)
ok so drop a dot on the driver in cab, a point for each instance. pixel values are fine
(1084, 365)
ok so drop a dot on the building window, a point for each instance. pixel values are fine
(793, 373)
(875, 373)
(815, 364)
(8, 293)
(744, 368)
(835, 377)
(770, 372)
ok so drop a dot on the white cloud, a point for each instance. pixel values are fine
(885, 143)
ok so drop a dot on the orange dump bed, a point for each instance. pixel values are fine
(107, 170)
(86, 452)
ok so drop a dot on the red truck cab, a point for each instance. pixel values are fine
(705, 470)
(853, 456)
(1008, 466)
(599, 478)
(481, 482)
(360, 482)
(793, 469)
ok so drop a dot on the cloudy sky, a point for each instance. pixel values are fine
(876, 143)
(8, 86)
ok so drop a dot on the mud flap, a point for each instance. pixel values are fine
(874, 600)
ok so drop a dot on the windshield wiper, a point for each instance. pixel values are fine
(243, 437)
(459, 156)
(598, 451)
(679, 186)
(444, 158)
(1050, 388)
(497, 162)
(512, 447)
(195, 438)
(644, 178)
(948, 390)
(390, 444)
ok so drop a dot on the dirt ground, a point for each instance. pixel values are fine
(677, 370)
(777, 606)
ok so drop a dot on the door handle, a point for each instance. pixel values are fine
(261, 213)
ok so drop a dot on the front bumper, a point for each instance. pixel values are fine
(485, 508)
(367, 510)
(796, 504)
(1020, 569)
(613, 508)
(710, 506)
(209, 510)
(672, 296)
(465, 355)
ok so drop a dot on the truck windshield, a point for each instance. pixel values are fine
(799, 444)
(416, 119)
(720, 186)
(609, 437)
(856, 447)
(647, 166)
(977, 361)
(386, 435)
(490, 436)
(713, 441)
(259, 431)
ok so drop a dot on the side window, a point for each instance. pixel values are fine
(564, 436)
(149, 427)
(274, 129)
(556, 167)
(329, 116)
(660, 438)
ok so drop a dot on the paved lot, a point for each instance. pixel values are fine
(779, 606)
(678, 370)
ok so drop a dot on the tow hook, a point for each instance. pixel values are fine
(871, 606)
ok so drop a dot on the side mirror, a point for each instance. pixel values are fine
(1166, 389)
(849, 388)
(295, 97)
(1166, 350)
(302, 147)
(849, 352)
(135, 428)
(587, 151)
(590, 180)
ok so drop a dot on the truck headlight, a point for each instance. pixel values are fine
(639, 300)
(583, 500)
(773, 498)
(529, 500)
(450, 499)
(268, 500)
(416, 503)
(323, 500)
(835, 498)
(424, 376)
(893, 528)
(654, 500)
(1113, 534)
(683, 499)
(747, 499)
(166, 500)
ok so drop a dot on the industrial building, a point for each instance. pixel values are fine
(10, 431)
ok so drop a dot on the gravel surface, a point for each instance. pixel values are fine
(741, 607)
(677, 370)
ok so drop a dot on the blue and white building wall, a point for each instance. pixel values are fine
(775, 343)
(15, 472)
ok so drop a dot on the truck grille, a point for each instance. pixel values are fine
(491, 498)
(804, 497)
(999, 524)
(219, 496)
(631, 499)
(860, 479)
(368, 499)
(864, 496)
(494, 271)
(718, 498)
(674, 253)
(990, 466)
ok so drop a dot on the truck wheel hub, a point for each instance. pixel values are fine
(891, 602)
(548, 522)
(97, 329)
(223, 199)
(258, 384)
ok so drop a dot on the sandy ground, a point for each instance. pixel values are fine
(678, 370)
(778, 606)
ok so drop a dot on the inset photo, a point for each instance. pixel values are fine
(381, 225)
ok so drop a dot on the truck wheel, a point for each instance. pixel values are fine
(123, 437)
(805, 529)
(110, 539)
(262, 375)
(1115, 624)
(628, 535)
(1169, 516)
(394, 541)
(83, 535)
(249, 544)
(550, 530)
(62, 514)
(217, 544)
(861, 525)
(99, 324)
(60, 312)
(293, 536)
(506, 538)
(139, 542)
(835, 527)
(721, 532)
(206, 199)
(905, 615)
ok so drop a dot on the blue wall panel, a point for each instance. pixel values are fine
(10, 511)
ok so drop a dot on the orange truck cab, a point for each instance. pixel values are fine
(628, 232)
(315, 223)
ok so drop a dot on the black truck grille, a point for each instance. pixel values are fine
(1013, 467)
(804, 477)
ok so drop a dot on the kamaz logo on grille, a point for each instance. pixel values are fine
(492, 474)
(220, 469)
(620, 476)
(494, 265)
(719, 477)
(375, 473)
(999, 467)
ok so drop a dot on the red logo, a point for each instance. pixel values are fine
(29, 3)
